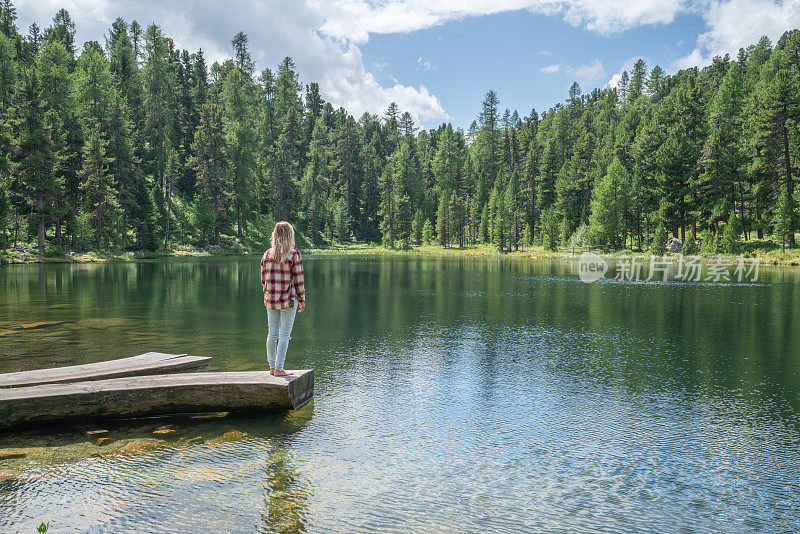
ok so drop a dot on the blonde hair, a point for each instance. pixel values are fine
(282, 241)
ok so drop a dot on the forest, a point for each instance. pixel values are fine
(136, 145)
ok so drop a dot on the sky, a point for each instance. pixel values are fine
(437, 59)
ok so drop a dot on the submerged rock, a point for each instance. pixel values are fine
(141, 445)
(8, 454)
(231, 435)
(41, 324)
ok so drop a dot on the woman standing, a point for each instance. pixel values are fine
(283, 284)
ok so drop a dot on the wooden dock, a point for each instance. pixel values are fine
(146, 385)
(154, 395)
(151, 363)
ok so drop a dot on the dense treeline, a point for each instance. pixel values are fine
(135, 144)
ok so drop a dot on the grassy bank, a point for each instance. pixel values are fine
(769, 253)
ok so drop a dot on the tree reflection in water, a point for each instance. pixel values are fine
(286, 491)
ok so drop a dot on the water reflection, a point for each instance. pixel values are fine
(452, 394)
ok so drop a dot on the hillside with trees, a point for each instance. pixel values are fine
(133, 144)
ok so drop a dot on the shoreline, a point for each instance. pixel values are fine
(20, 256)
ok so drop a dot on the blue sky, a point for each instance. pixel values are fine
(436, 59)
(459, 61)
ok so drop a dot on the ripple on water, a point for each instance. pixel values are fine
(505, 398)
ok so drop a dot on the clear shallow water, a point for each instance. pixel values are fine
(452, 395)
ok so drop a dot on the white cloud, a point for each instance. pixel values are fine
(275, 29)
(589, 74)
(693, 59)
(424, 64)
(323, 36)
(356, 19)
(738, 23)
(613, 16)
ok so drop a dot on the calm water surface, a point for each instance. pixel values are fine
(452, 395)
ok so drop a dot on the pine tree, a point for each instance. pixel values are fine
(388, 208)
(515, 212)
(98, 184)
(550, 222)
(731, 235)
(286, 176)
(8, 16)
(242, 56)
(501, 223)
(58, 98)
(416, 227)
(443, 220)
(238, 96)
(785, 218)
(170, 177)
(779, 110)
(159, 106)
(62, 31)
(35, 160)
(659, 244)
(720, 184)
(427, 232)
(211, 165)
(609, 203)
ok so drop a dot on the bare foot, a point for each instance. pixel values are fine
(272, 371)
(281, 372)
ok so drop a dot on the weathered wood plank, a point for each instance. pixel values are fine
(154, 395)
(150, 363)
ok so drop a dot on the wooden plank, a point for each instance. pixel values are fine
(97, 435)
(154, 395)
(150, 363)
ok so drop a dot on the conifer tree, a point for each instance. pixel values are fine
(427, 232)
(443, 220)
(99, 187)
(780, 109)
(610, 200)
(211, 165)
(785, 218)
(315, 182)
(35, 161)
(731, 235)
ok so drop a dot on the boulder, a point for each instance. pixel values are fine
(674, 244)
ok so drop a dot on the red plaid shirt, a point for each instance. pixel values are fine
(282, 282)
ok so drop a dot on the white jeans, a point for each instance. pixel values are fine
(279, 323)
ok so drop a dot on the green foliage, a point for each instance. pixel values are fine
(550, 229)
(785, 218)
(54, 252)
(609, 204)
(710, 243)
(580, 237)
(443, 220)
(427, 232)
(731, 235)
(690, 247)
(658, 246)
(82, 232)
(137, 145)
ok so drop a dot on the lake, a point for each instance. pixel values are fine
(453, 394)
